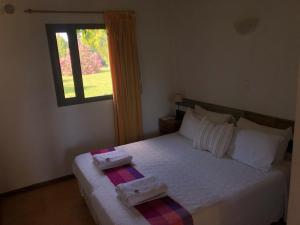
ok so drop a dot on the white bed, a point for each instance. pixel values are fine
(215, 191)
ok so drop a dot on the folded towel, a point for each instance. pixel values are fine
(112, 159)
(141, 190)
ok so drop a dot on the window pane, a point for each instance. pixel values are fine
(65, 64)
(94, 60)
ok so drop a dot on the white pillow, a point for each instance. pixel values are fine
(213, 116)
(255, 148)
(213, 137)
(189, 124)
(285, 133)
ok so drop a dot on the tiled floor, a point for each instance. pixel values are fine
(56, 204)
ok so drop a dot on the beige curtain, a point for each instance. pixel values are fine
(125, 75)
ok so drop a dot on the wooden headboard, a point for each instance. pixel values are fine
(237, 113)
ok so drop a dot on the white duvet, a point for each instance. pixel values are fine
(215, 191)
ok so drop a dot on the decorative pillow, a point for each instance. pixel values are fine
(255, 148)
(189, 124)
(213, 116)
(213, 137)
(285, 133)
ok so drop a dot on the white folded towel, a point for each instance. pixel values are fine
(141, 190)
(112, 159)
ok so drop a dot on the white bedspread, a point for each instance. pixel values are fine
(215, 191)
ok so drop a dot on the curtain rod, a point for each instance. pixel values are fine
(66, 11)
(61, 11)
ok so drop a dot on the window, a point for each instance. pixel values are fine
(80, 61)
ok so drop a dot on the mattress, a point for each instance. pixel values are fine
(215, 191)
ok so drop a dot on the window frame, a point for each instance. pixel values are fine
(70, 29)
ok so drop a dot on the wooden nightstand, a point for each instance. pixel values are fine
(168, 125)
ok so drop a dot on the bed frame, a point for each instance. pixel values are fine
(237, 113)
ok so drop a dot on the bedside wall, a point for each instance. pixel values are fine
(255, 72)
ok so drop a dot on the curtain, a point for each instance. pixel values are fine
(125, 73)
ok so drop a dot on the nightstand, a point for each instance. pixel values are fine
(168, 125)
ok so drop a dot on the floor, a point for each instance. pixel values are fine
(55, 204)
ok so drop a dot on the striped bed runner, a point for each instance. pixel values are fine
(162, 211)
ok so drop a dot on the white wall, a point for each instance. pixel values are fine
(215, 63)
(294, 198)
(38, 140)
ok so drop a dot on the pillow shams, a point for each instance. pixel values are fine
(213, 137)
(285, 133)
(189, 124)
(256, 149)
(214, 116)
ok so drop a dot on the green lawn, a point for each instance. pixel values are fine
(94, 85)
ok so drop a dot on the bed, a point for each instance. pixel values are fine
(214, 191)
